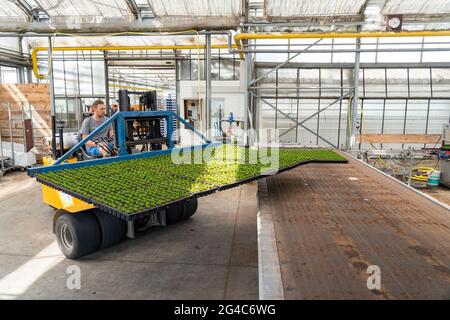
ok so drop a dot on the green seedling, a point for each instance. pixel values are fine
(132, 186)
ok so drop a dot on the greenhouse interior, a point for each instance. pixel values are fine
(311, 139)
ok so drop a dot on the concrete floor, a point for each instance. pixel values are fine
(211, 256)
(214, 255)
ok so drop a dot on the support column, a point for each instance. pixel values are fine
(22, 70)
(247, 99)
(208, 85)
(106, 70)
(248, 78)
(52, 96)
(351, 137)
(178, 95)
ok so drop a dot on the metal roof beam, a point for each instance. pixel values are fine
(24, 6)
(35, 14)
(134, 9)
(146, 25)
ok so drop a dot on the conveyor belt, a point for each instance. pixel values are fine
(332, 221)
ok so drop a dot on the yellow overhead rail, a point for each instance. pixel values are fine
(115, 48)
(238, 38)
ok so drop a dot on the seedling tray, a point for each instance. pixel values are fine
(132, 189)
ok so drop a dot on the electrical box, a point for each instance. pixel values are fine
(444, 168)
(444, 157)
(192, 112)
(446, 135)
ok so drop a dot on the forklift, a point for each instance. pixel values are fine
(142, 134)
(80, 226)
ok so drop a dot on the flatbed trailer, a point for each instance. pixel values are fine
(345, 219)
(82, 225)
(101, 201)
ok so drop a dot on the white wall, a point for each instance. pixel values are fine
(231, 91)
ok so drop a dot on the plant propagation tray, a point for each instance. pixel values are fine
(131, 189)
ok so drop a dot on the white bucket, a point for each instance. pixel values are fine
(434, 178)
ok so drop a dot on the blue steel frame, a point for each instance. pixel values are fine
(119, 119)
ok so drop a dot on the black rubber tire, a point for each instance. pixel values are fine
(174, 214)
(189, 207)
(112, 229)
(84, 234)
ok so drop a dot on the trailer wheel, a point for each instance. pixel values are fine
(112, 229)
(189, 207)
(174, 214)
(77, 234)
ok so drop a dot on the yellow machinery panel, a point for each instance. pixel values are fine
(48, 161)
(60, 200)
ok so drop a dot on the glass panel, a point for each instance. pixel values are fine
(217, 115)
(329, 121)
(71, 77)
(98, 69)
(194, 72)
(439, 114)
(441, 82)
(331, 83)
(9, 75)
(185, 71)
(58, 77)
(419, 80)
(85, 75)
(215, 69)
(73, 120)
(345, 44)
(374, 83)
(65, 110)
(372, 119)
(309, 82)
(227, 67)
(397, 83)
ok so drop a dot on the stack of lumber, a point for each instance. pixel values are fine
(27, 101)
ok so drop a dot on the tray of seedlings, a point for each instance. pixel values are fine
(130, 189)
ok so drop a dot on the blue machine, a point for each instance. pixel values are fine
(230, 118)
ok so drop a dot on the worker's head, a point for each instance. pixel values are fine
(99, 108)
